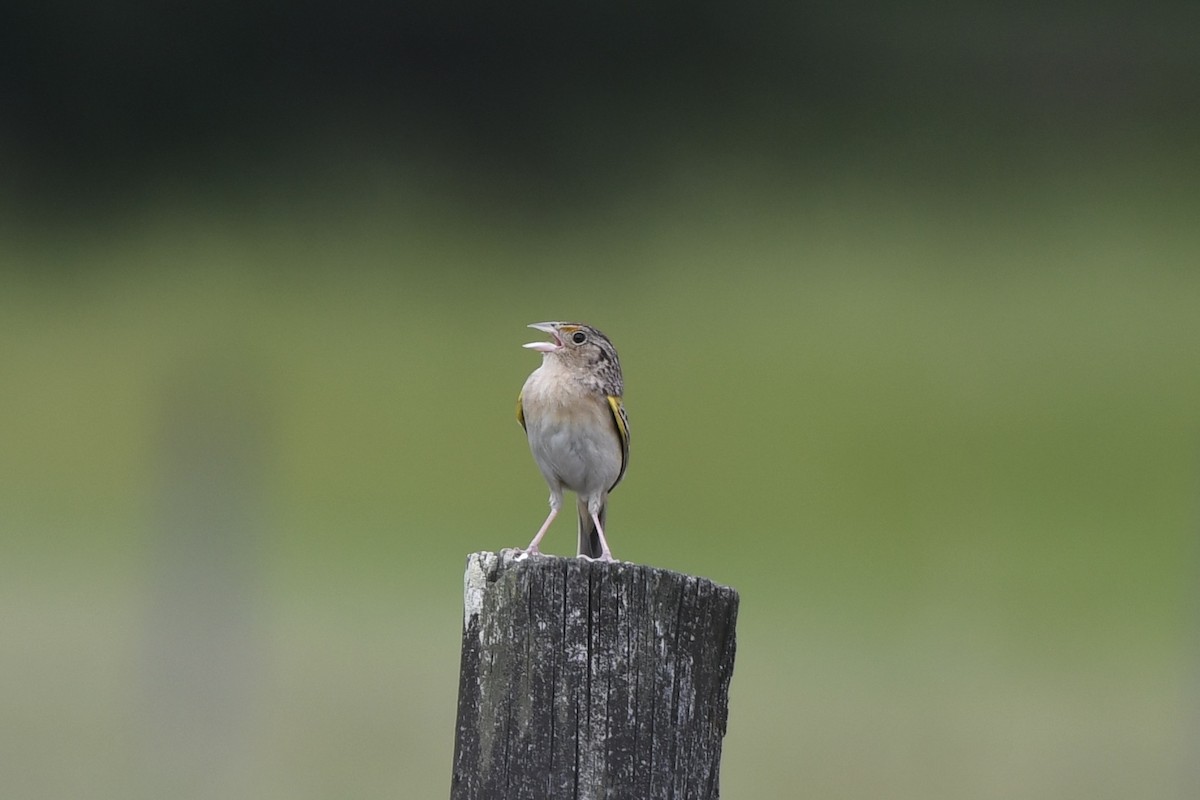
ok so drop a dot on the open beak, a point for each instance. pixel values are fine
(545, 347)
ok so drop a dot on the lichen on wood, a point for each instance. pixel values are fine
(584, 679)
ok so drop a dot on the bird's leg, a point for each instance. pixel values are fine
(605, 553)
(532, 549)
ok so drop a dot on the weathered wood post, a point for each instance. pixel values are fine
(583, 680)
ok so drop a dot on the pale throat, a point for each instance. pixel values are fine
(555, 383)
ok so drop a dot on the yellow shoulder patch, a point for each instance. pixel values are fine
(621, 420)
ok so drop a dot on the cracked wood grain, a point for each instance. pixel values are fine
(583, 680)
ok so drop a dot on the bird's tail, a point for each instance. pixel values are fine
(589, 537)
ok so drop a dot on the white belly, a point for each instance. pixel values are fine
(572, 435)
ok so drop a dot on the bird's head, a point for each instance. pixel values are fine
(577, 345)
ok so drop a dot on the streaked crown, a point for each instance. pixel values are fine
(583, 349)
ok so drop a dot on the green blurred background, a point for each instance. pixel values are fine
(907, 300)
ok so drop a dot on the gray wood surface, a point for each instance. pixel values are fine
(582, 679)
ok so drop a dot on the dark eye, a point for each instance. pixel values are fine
(579, 338)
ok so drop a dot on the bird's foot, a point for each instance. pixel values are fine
(532, 550)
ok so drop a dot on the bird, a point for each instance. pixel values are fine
(572, 411)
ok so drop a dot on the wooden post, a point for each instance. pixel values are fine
(583, 680)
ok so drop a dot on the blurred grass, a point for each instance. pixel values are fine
(941, 435)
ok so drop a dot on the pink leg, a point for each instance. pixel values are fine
(605, 553)
(532, 549)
